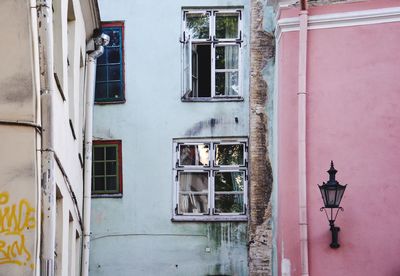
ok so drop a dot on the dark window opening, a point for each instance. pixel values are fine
(202, 58)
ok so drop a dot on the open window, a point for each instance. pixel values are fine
(211, 47)
(210, 180)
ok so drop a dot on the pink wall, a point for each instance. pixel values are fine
(353, 113)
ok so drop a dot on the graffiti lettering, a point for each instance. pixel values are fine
(15, 219)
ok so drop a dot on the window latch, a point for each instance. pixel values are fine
(183, 41)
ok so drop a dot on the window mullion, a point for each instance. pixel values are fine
(211, 192)
(213, 70)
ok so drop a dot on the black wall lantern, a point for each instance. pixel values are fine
(332, 193)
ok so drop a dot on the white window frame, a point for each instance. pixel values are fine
(187, 43)
(211, 169)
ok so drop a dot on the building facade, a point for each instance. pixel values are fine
(171, 138)
(214, 123)
(343, 59)
(41, 128)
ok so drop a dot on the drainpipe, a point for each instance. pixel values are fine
(47, 90)
(302, 165)
(100, 40)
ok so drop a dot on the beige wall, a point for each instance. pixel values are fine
(20, 145)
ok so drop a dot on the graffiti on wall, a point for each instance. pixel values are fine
(15, 220)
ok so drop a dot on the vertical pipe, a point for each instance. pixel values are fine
(47, 90)
(90, 86)
(36, 83)
(302, 165)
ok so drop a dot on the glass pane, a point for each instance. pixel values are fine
(98, 153)
(226, 25)
(229, 155)
(194, 155)
(229, 181)
(193, 182)
(114, 38)
(197, 25)
(101, 90)
(111, 168)
(227, 83)
(111, 153)
(114, 90)
(113, 55)
(193, 204)
(98, 168)
(101, 73)
(227, 57)
(229, 203)
(114, 72)
(101, 59)
(111, 183)
(99, 184)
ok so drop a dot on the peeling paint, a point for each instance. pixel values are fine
(260, 231)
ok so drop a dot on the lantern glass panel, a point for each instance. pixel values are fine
(339, 195)
(331, 196)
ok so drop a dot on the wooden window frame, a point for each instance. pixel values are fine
(187, 42)
(119, 24)
(211, 169)
(117, 143)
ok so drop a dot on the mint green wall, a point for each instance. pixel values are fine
(134, 235)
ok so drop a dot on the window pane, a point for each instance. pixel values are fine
(194, 155)
(101, 90)
(111, 153)
(102, 59)
(98, 168)
(227, 57)
(114, 38)
(113, 55)
(111, 168)
(98, 153)
(226, 25)
(197, 25)
(195, 204)
(193, 181)
(114, 90)
(114, 72)
(111, 183)
(101, 73)
(227, 83)
(99, 184)
(229, 181)
(225, 203)
(229, 155)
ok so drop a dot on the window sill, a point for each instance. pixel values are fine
(119, 195)
(205, 218)
(215, 99)
(110, 102)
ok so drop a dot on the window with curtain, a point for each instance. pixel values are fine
(210, 179)
(211, 47)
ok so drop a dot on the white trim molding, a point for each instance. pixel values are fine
(344, 19)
